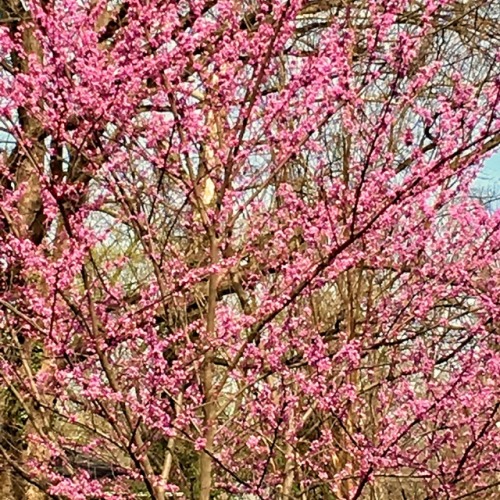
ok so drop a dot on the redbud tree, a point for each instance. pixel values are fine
(240, 255)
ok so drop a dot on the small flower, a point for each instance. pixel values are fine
(253, 442)
(200, 444)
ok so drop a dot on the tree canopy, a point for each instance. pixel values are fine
(241, 252)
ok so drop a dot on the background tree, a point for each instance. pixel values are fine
(240, 251)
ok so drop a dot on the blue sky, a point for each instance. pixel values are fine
(488, 181)
(490, 176)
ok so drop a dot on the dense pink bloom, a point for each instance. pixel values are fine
(240, 250)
